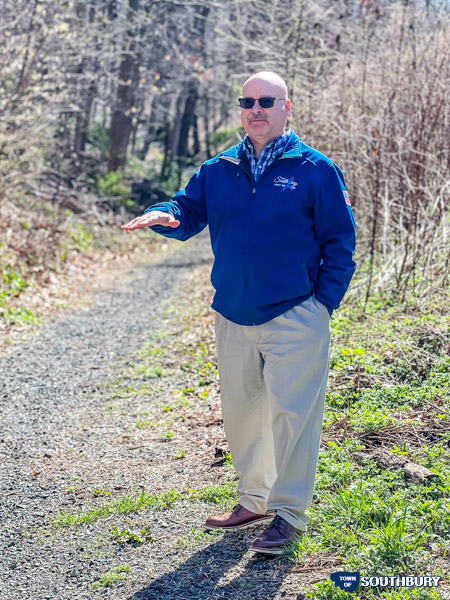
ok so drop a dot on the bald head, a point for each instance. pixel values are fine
(270, 79)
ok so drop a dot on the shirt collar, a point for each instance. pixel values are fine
(278, 143)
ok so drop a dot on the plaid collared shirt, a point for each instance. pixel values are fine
(273, 150)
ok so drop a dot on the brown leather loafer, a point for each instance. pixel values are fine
(278, 537)
(238, 519)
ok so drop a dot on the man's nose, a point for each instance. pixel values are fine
(256, 107)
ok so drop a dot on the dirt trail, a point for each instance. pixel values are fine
(73, 437)
(50, 391)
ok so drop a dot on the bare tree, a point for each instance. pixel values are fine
(85, 85)
(121, 122)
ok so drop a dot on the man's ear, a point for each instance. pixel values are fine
(287, 107)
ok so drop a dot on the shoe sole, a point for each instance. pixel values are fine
(276, 551)
(243, 526)
(273, 551)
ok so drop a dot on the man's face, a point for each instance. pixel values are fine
(264, 124)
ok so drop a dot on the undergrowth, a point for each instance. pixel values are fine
(388, 386)
(42, 246)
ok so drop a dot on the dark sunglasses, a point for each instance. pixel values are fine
(265, 102)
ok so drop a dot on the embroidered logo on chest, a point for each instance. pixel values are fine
(286, 184)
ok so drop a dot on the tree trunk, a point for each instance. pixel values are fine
(176, 127)
(152, 126)
(149, 133)
(207, 129)
(121, 122)
(187, 122)
(165, 167)
(83, 117)
(196, 146)
(112, 10)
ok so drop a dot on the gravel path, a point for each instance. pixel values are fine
(50, 390)
(75, 434)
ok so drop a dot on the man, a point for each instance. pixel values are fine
(283, 234)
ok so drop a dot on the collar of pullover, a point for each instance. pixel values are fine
(269, 153)
(291, 149)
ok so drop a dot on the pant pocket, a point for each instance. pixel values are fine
(321, 306)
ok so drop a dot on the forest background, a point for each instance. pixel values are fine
(107, 106)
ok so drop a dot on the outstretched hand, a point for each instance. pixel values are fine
(154, 217)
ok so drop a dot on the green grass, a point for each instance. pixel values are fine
(132, 536)
(15, 315)
(142, 370)
(112, 577)
(179, 456)
(129, 503)
(389, 369)
(197, 537)
(193, 363)
(143, 424)
(224, 495)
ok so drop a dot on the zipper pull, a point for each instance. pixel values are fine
(254, 191)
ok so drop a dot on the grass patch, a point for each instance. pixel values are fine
(72, 489)
(388, 385)
(224, 495)
(134, 537)
(128, 503)
(15, 315)
(197, 537)
(113, 577)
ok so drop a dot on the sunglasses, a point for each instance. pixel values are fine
(265, 102)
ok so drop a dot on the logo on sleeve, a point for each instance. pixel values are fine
(286, 184)
(346, 197)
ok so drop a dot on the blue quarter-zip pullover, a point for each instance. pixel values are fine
(276, 241)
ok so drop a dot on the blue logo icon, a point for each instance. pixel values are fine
(347, 581)
(288, 185)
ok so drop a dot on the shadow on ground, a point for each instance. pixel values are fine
(222, 571)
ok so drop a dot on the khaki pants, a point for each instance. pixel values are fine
(273, 380)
